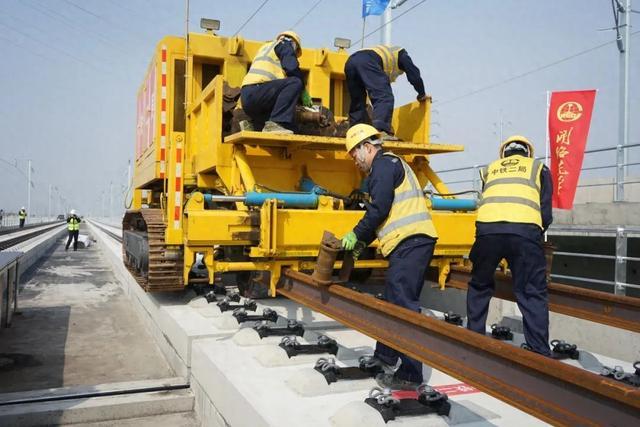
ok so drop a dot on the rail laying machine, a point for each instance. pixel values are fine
(211, 201)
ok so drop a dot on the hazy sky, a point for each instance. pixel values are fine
(71, 69)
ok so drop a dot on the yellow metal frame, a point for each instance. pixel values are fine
(272, 237)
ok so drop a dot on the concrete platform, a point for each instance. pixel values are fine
(76, 327)
(181, 419)
(245, 393)
(233, 386)
(108, 408)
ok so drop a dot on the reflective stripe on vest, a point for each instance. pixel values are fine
(408, 215)
(73, 225)
(265, 67)
(389, 56)
(511, 191)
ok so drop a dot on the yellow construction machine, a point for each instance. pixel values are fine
(210, 203)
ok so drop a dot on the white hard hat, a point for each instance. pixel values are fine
(22, 207)
(73, 212)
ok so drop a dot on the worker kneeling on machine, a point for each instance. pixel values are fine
(515, 210)
(273, 85)
(398, 217)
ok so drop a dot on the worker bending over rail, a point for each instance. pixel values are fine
(273, 85)
(370, 72)
(515, 211)
(398, 217)
(73, 227)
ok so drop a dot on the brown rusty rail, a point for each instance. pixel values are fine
(601, 307)
(550, 390)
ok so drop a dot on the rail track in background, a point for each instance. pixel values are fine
(105, 229)
(600, 307)
(14, 228)
(9, 242)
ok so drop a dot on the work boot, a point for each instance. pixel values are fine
(273, 127)
(386, 136)
(395, 383)
(371, 362)
(246, 125)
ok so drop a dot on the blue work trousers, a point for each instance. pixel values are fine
(365, 76)
(275, 100)
(404, 280)
(528, 268)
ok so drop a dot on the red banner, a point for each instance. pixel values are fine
(569, 120)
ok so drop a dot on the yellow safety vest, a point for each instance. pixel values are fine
(22, 214)
(408, 215)
(511, 191)
(73, 224)
(389, 56)
(265, 66)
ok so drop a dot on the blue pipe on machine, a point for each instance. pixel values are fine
(307, 185)
(289, 200)
(440, 204)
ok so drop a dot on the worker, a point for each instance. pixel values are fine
(22, 216)
(398, 216)
(273, 85)
(73, 227)
(370, 72)
(1, 217)
(515, 211)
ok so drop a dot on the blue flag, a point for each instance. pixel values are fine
(374, 7)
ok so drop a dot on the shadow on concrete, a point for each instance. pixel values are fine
(32, 350)
(26, 362)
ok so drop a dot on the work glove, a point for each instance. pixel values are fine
(358, 249)
(349, 241)
(306, 99)
(422, 98)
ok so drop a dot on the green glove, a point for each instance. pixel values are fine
(349, 241)
(306, 99)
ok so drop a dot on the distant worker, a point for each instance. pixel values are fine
(371, 71)
(273, 85)
(1, 216)
(399, 218)
(22, 215)
(73, 226)
(515, 211)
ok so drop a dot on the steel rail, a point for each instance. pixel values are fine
(608, 309)
(13, 229)
(8, 243)
(548, 389)
(103, 227)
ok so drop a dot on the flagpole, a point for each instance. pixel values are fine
(364, 20)
(547, 144)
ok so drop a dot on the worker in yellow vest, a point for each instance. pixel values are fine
(73, 227)
(22, 216)
(370, 72)
(399, 218)
(515, 211)
(273, 85)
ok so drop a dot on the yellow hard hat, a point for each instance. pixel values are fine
(295, 37)
(516, 138)
(358, 133)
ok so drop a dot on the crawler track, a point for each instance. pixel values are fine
(163, 268)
